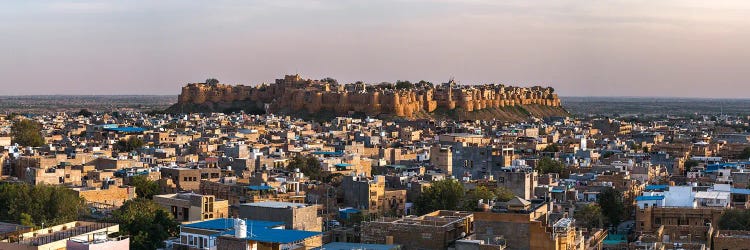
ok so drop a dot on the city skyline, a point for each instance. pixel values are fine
(608, 48)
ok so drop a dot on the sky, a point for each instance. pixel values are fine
(674, 48)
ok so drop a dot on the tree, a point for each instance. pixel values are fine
(27, 133)
(441, 195)
(735, 219)
(130, 144)
(329, 80)
(404, 85)
(589, 216)
(308, 165)
(612, 206)
(552, 148)
(690, 164)
(85, 113)
(548, 165)
(745, 153)
(144, 187)
(504, 194)
(148, 223)
(472, 197)
(36, 204)
(212, 81)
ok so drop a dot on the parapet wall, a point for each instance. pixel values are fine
(292, 93)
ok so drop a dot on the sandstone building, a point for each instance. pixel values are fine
(295, 94)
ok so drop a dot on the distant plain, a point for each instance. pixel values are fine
(581, 106)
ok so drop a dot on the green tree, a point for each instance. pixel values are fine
(404, 85)
(308, 165)
(589, 216)
(745, 153)
(690, 164)
(735, 219)
(548, 165)
(85, 113)
(148, 223)
(552, 148)
(472, 197)
(441, 195)
(212, 81)
(329, 80)
(26, 220)
(27, 133)
(144, 187)
(33, 205)
(612, 206)
(132, 143)
(504, 194)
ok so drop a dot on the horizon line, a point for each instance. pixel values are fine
(560, 96)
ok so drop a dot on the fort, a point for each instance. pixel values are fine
(293, 94)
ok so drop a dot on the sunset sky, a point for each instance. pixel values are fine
(681, 48)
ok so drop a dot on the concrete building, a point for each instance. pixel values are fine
(294, 215)
(521, 224)
(371, 196)
(520, 181)
(442, 158)
(731, 239)
(243, 234)
(436, 230)
(74, 234)
(111, 196)
(193, 207)
(189, 179)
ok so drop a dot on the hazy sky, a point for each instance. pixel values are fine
(694, 48)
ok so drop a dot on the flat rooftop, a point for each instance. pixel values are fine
(275, 204)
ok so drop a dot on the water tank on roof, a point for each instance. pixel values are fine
(240, 228)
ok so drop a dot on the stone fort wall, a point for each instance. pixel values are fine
(292, 93)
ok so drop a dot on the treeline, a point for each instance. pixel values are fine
(40, 204)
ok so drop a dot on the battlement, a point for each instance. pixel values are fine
(295, 94)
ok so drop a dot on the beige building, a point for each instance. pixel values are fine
(193, 207)
(294, 215)
(436, 230)
(520, 224)
(110, 196)
(442, 158)
(371, 196)
(59, 237)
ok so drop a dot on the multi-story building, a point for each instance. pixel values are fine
(294, 215)
(189, 179)
(436, 230)
(371, 196)
(193, 207)
(243, 234)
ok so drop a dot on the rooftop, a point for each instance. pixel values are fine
(275, 204)
(262, 231)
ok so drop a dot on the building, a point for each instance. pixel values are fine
(78, 234)
(731, 239)
(294, 215)
(442, 158)
(522, 224)
(110, 196)
(189, 179)
(520, 181)
(436, 230)
(226, 233)
(371, 196)
(193, 207)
